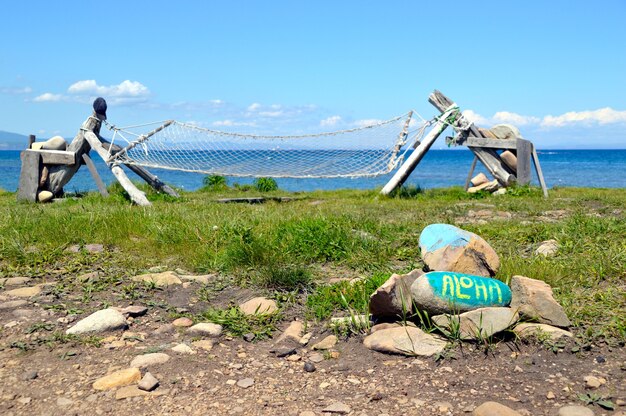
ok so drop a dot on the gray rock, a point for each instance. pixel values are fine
(534, 300)
(337, 407)
(245, 383)
(529, 330)
(29, 375)
(477, 324)
(326, 344)
(284, 351)
(491, 186)
(547, 248)
(258, 306)
(393, 298)
(494, 409)
(505, 132)
(133, 310)
(13, 304)
(448, 248)
(15, 281)
(149, 360)
(405, 340)
(316, 357)
(64, 402)
(309, 367)
(159, 279)
(205, 329)
(94, 248)
(100, 321)
(148, 382)
(575, 411)
(249, 337)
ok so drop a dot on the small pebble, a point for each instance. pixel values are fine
(30, 375)
(309, 367)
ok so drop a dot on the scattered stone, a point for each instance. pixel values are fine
(445, 247)
(533, 299)
(309, 367)
(326, 344)
(128, 392)
(505, 132)
(284, 351)
(498, 192)
(406, 340)
(100, 321)
(183, 322)
(316, 357)
(293, 331)
(550, 395)
(117, 379)
(600, 359)
(24, 292)
(85, 277)
(164, 329)
(203, 344)
(15, 281)
(24, 400)
(258, 306)
(393, 298)
(149, 360)
(529, 330)
(593, 382)
(159, 279)
(133, 310)
(479, 179)
(13, 304)
(307, 413)
(94, 248)
(205, 329)
(249, 337)
(547, 248)
(575, 411)
(24, 313)
(45, 196)
(494, 409)
(477, 324)
(29, 375)
(183, 349)
(203, 279)
(148, 382)
(245, 383)
(446, 292)
(491, 186)
(337, 407)
(306, 338)
(64, 401)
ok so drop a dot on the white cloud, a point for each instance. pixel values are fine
(254, 106)
(330, 121)
(231, 123)
(48, 97)
(601, 116)
(367, 122)
(514, 118)
(271, 113)
(16, 91)
(474, 117)
(125, 89)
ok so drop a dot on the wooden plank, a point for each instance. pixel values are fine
(542, 182)
(490, 143)
(95, 175)
(524, 151)
(56, 157)
(31, 140)
(471, 172)
(414, 159)
(256, 199)
(29, 176)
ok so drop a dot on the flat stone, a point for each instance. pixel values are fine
(24, 292)
(258, 306)
(183, 322)
(24, 313)
(529, 330)
(393, 298)
(283, 351)
(159, 279)
(202, 279)
(13, 304)
(293, 332)
(204, 344)
(64, 401)
(128, 392)
(316, 357)
(205, 329)
(406, 340)
(149, 360)
(534, 300)
(477, 324)
(494, 409)
(445, 247)
(547, 248)
(29, 375)
(447, 292)
(133, 310)
(575, 411)
(148, 382)
(16, 281)
(245, 383)
(309, 367)
(100, 321)
(326, 344)
(491, 186)
(94, 248)
(593, 382)
(183, 349)
(479, 179)
(117, 379)
(337, 407)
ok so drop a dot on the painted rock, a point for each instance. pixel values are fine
(445, 247)
(446, 292)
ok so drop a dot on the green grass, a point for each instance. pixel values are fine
(296, 246)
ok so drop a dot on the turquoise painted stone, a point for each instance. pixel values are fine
(449, 292)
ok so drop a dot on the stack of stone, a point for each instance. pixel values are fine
(460, 297)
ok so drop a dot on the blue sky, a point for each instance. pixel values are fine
(556, 69)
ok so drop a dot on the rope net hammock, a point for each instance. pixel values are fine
(365, 151)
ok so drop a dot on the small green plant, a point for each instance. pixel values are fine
(265, 184)
(237, 324)
(40, 326)
(407, 192)
(214, 183)
(353, 324)
(597, 400)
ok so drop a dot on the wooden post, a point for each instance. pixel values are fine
(95, 175)
(471, 172)
(542, 182)
(409, 165)
(31, 140)
(29, 176)
(524, 152)
(135, 194)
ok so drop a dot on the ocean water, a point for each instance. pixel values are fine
(439, 168)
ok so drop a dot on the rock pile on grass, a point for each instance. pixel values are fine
(458, 298)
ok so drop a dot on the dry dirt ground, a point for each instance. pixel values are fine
(57, 378)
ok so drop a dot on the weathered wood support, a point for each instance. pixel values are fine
(542, 182)
(137, 196)
(524, 150)
(471, 172)
(29, 176)
(95, 175)
(409, 165)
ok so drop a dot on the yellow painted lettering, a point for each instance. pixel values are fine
(480, 285)
(459, 295)
(448, 284)
(466, 283)
(492, 286)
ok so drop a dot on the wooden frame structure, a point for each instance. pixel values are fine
(485, 149)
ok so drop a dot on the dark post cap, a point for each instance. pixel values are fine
(100, 107)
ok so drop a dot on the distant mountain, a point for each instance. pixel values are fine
(12, 141)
